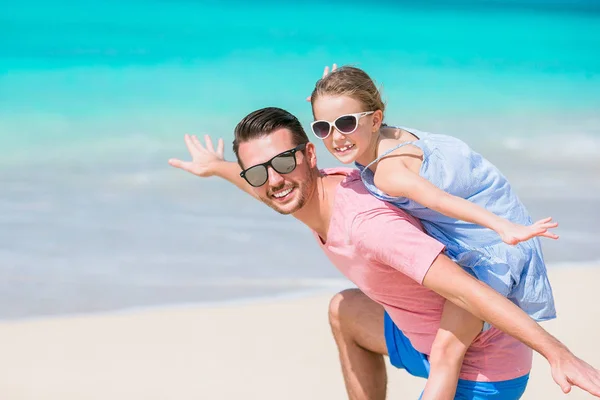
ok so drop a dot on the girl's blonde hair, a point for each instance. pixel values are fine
(352, 82)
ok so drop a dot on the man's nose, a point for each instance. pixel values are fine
(275, 178)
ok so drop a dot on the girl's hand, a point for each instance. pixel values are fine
(325, 73)
(516, 233)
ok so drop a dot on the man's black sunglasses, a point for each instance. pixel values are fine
(283, 163)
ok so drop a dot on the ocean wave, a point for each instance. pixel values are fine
(582, 146)
(579, 264)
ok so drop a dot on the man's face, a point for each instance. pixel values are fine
(285, 193)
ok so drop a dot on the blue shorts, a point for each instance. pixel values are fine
(404, 355)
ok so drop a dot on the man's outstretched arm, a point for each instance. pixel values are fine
(452, 282)
(391, 238)
(207, 162)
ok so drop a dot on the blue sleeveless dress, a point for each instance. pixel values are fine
(517, 272)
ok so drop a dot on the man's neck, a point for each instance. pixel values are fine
(317, 211)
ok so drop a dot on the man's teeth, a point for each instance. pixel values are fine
(282, 194)
(345, 147)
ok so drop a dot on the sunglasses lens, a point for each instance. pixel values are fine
(284, 164)
(256, 176)
(346, 124)
(321, 129)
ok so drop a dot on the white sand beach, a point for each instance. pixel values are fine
(277, 350)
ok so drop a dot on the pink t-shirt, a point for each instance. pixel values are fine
(385, 252)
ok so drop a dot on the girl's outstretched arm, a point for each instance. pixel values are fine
(394, 178)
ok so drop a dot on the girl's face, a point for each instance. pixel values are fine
(347, 129)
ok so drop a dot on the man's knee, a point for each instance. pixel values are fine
(339, 306)
(356, 318)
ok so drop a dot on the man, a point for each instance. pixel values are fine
(403, 276)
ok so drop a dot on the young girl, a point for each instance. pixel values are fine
(461, 199)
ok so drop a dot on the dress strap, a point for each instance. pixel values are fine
(389, 151)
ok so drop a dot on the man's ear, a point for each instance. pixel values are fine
(377, 120)
(311, 154)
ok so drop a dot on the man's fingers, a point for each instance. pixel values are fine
(220, 147)
(193, 144)
(209, 144)
(334, 67)
(561, 379)
(586, 378)
(174, 162)
(184, 165)
(189, 144)
(197, 143)
(589, 386)
(597, 382)
(564, 384)
(594, 384)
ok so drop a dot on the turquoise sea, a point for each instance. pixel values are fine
(95, 98)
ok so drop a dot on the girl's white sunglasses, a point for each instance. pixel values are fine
(346, 124)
